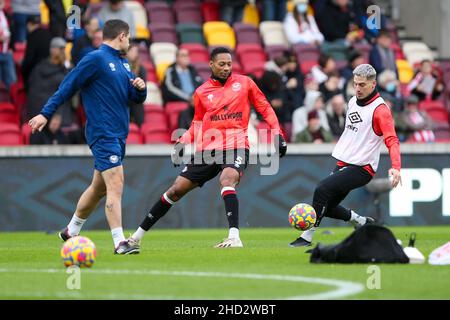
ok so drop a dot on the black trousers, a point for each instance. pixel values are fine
(332, 190)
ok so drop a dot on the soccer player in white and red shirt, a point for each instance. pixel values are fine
(219, 128)
(368, 123)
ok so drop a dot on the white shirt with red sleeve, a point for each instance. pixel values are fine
(366, 127)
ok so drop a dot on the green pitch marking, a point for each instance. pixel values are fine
(182, 264)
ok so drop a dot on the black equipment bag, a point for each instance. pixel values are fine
(370, 243)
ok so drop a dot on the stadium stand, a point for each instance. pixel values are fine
(164, 26)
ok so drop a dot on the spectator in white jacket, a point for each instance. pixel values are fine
(301, 27)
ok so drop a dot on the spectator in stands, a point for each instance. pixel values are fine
(314, 133)
(415, 123)
(7, 68)
(336, 110)
(294, 80)
(355, 58)
(232, 10)
(338, 27)
(136, 109)
(38, 45)
(91, 25)
(426, 84)
(22, 10)
(313, 101)
(185, 117)
(389, 85)
(97, 41)
(44, 81)
(382, 56)
(330, 87)
(116, 9)
(300, 26)
(57, 14)
(181, 79)
(326, 65)
(51, 134)
(274, 10)
(271, 84)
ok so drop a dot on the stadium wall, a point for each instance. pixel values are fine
(39, 187)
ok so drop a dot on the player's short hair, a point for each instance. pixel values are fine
(365, 70)
(113, 28)
(217, 51)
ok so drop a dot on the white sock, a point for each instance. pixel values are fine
(139, 234)
(357, 219)
(117, 235)
(308, 234)
(75, 225)
(233, 233)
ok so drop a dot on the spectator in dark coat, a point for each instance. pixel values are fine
(38, 46)
(57, 17)
(336, 110)
(51, 134)
(136, 109)
(232, 10)
(181, 79)
(91, 25)
(45, 80)
(272, 86)
(382, 57)
(185, 118)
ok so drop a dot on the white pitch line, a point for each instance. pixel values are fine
(343, 288)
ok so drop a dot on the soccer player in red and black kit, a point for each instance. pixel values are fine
(368, 122)
(219, 129)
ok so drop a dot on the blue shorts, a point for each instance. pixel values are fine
(108, 153)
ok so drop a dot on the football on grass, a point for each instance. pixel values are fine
(78, 251)
(302, 216)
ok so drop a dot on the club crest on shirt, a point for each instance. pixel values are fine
(236, 86)
(113, 159)
(112, 66)
(210, 97)
(127, 66)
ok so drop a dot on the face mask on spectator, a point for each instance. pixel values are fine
(302, 7)
(390, 87)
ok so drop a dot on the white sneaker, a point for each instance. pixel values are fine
(230, 243)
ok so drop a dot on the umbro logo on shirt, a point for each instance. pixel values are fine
(354, 117)
(112, 66)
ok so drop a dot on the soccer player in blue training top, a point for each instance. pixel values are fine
(106, 85)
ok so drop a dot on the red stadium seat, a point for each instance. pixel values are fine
(246, 33)
(197, 52)
(10, 135)
(210, 11)
(306, 66)
(306, 52)
(159, 12)
(26, 133)
(8, 113)
(264, 133)
(156, 116)
(173, 110)
(438, 114)
(157, 137)
(189, 15)
(202, 69)
(134, 135)
(247, 52)
(274, 51)
(163, 32)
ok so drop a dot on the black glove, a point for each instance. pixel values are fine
(177, 154)
(282, 145)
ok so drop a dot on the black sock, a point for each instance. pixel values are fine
(231, 207)
(339, 212)
(158, 210)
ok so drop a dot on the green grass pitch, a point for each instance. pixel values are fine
(182, 264)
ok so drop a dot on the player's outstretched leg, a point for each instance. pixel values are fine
(86, 205)
(180, 187)
(228, 180)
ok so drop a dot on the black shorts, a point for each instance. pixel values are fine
(208, 164)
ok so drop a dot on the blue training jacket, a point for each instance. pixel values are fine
(103, 77)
